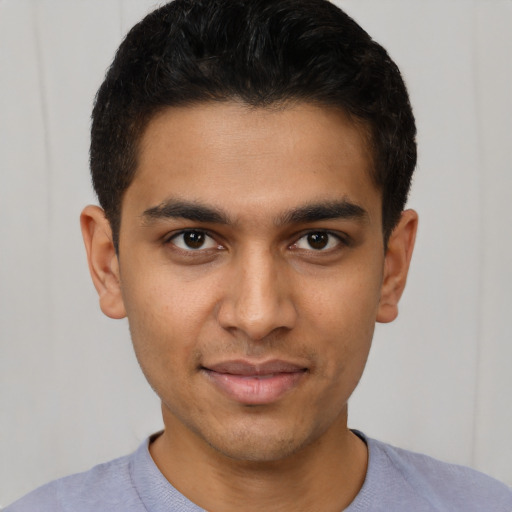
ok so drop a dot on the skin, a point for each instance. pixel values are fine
(255, 277)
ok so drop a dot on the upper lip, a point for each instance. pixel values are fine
(247, 368)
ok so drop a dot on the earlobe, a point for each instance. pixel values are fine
(396, 265)
(102, 260)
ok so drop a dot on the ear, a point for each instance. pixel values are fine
(396, 265)
(102, 259)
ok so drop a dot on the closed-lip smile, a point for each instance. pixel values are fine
(252, 383)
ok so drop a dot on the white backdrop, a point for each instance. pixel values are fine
(438, 380)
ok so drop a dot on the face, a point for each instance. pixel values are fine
(251, 267)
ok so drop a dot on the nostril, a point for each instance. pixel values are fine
(256, 322)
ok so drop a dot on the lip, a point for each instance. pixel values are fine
(255, 383)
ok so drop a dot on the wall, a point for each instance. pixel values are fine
(438, 379)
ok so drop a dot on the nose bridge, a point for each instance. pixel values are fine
(260, 300)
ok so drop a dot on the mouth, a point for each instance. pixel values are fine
(255, 384)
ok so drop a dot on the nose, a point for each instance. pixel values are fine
(258, 301)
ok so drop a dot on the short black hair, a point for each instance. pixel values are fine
(262, 53)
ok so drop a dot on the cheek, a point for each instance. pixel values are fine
(164, 299)
(165, 317)
(342, 317)
(346, 301)
(163, 341)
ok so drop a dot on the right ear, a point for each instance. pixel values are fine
(103, 261)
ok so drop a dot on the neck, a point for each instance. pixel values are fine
(325, 475)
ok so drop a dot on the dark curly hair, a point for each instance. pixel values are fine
(260, 52)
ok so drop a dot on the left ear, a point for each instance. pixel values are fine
(396, 265)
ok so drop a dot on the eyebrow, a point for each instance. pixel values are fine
(314, 212)
(184, 210)
(308, 213)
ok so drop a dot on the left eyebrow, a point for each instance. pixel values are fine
(324, 211)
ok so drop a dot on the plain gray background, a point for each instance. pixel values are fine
(438, 380)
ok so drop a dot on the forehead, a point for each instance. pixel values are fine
(231, 155)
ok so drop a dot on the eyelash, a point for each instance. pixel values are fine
(339, 240)
(202, 233)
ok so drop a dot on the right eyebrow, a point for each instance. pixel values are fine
(176, 209)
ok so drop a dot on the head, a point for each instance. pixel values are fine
(265, 54)
(252, 158)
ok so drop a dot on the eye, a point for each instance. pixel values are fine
(317, 241)
(193, 240)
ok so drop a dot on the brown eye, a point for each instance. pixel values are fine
(193, 240)
(318, 241)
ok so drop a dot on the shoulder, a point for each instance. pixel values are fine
(108, 484)
(436, 485)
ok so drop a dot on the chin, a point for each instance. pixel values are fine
(248, 445)
(258, 452)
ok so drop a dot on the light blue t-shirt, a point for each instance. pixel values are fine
(396, 481)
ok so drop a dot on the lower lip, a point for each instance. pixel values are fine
(252, 390)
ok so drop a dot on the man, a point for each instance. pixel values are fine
(253, 160)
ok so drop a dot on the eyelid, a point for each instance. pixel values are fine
(341, 240)
(212, 244)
